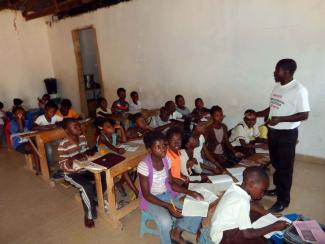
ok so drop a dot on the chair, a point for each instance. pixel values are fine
(145, 217)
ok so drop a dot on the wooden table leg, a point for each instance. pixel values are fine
(43, 160)
(112, 201)
(99, 191)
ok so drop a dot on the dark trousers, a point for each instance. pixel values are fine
(282, 148)
(84, 182)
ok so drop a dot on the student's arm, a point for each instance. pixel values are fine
(181, 189)
(132, 134)
(254, 233)
(120, 133)
(263, 113)
(111, 146)
(144, 184)
(209, 157)
(163, 127)
(103, 114)
(292, 118)
(213, 170)
(226, 140)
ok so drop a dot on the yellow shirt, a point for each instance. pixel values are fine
(71, 114)
(263, 131)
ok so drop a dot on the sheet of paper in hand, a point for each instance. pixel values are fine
(268, 220)
(193, 207)
(223, 182)
(237, 173)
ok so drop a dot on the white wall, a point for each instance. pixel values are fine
(221, 50)
(25, 59)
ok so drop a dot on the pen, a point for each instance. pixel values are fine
(171, 201)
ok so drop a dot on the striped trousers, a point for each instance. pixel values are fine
(84, 182)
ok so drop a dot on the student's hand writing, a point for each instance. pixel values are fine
(176, 212)
(280, 225)
(274, 121)
(195, 195)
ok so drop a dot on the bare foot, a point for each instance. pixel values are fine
(176, 236)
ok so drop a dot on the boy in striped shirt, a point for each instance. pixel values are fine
(74, 146)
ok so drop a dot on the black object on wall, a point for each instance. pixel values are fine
(51, 85)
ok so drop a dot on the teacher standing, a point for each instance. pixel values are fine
(289, 106)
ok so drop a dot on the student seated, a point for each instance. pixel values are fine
(18, 125)
(74, 146)
(232, 220)
(102, 111)
(217, 140)
(200, 112)
(3, 118)
(109, 137)
(66, 110)
(171, 109)
(174, 138)
(49, 120)
(263, 130)
(245, 135)
(17, 103)
(43, 101)
(159, 195)
(208, 164)
(135, 104)
(160, 122)
(141, 127)
(120, 106)
(180, 106)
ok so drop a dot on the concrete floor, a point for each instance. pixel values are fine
(33, 212)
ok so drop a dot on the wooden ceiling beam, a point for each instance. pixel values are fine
(53, 9)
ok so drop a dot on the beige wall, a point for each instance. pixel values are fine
(221, 50)
(25, 58)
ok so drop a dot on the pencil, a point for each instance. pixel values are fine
(171, 201)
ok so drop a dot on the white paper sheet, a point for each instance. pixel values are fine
(195, 178)
(208, 186)
(236, 171)
(128, 148)
(268, 220)
(138, 141)
(222, 181)
(192, 207)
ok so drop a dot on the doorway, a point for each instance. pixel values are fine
(89, 70)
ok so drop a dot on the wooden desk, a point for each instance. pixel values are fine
(131, 161)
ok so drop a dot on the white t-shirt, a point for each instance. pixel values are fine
(134, 108)
(287, 100)
(184, 111)
(100, 110)
(242, 131)
(156, 121)
(158, 179)
(197, 153)
(41, 120)
(232, 212)
(176, 115)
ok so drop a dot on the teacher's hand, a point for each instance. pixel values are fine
(274, 121)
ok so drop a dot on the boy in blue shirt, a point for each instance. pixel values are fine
(18, 125)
